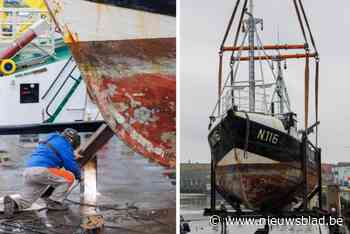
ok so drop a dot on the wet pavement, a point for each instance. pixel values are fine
(192, 206)
(134, 196)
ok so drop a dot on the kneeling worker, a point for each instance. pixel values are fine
(52, 164)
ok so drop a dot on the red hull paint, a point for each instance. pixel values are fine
(263, 186)
(133, 82)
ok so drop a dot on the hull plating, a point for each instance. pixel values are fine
(262, 186)
(128, 61)
(262, 175)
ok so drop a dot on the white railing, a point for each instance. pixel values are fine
(239, 95)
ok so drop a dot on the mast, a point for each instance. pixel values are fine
(279, 87)
(251, 58)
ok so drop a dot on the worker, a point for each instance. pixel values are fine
(52, 165)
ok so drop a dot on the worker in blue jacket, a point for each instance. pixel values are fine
(51, 165)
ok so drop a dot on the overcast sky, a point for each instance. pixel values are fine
(202, 25)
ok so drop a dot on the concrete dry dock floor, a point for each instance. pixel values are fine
(192, 206)
(126, 181)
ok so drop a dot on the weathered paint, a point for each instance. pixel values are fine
(128, 60)
(133, 83)
(264, 186)
(94, 21)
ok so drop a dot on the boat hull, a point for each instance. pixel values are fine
(262, 173)
(130, 71)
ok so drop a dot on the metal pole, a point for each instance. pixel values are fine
(319, 178)
(219, 83)
(91, 221)
(251, 59)
(212, 185)
(304, 169)
(232, 89)
(280, 88)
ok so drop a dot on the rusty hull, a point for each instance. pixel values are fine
(127, 58)
(133, 83)
(263, 186)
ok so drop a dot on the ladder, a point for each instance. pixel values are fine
(66, 74)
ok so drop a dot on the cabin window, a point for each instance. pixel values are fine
(29, 93)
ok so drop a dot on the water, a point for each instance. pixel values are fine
(192, 206)
(124, 179)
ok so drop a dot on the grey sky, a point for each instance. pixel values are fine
(202, 25)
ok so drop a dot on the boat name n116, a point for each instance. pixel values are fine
(268, 136)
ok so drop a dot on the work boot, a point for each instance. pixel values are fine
(55, 205)
(10, 207)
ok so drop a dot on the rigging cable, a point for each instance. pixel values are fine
(222, 45)
(218, 102)
(306, 86)
(317, 65)
(229, 25)
(308, 26)
(300, 21)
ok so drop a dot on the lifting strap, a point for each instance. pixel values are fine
(302, 18)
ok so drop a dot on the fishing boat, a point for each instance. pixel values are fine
(126, 52)
(260, 158)
(38, 75)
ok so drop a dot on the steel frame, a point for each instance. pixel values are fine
(302, 211)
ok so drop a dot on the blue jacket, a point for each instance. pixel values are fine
(43, 156)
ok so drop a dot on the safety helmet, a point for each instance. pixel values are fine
(72, 137)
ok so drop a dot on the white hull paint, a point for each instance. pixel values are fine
(237, 156)
(101, 22)
(13, 112)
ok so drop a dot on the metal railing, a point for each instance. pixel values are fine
(238, 95)
(59, 85)
(16, 21)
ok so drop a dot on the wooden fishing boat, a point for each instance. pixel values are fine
(126, 52)
(260, 158)
(262, 171)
